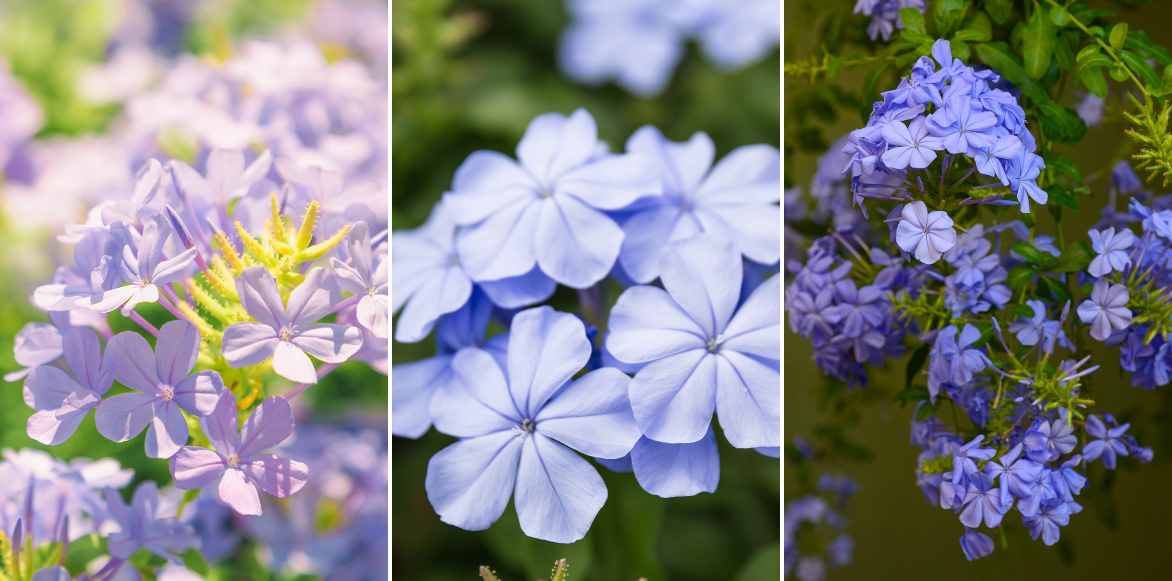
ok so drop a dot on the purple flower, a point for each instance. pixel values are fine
(1048, 522)
(952, 361)
(1106, 311)
(142, 525)
(36, 344)
(982, 502)
(162, 386)
(1037, 328)
(1016, 474)
(61, 401)
(910, 146)
(1111, 247)
(1047, 441)
(365, 275)
(961, 129)
(928, 235)
(964, 460)
(286, 332)
(1108, 443)
(675, 470)
(1022, 173)
(858, 309)
(519, 427)
(976, 545)
(239, 466)
(703, 354)
(547, 209)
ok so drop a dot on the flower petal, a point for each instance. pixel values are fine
(260, 297)
(546, 349)
(646, 324)
(674, 470)
(703, 276)
(270, 424)
(484, 184)
(133, 362)
(329, 343)
(575, 244)
(469, 483)
(673, 398)
(756, 327)
(554, 144)
(558, 493)
(748, 400)
(176, 349)
(247, 344)
(168, 431)
(592, 415)
(200, 393)
(279, 477)
(477, 400)
(122, 417)
(309, 302)
(239, 493)
(412, 386)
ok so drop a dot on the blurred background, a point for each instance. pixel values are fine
(74, 75)
(897, 533)
(471, 75)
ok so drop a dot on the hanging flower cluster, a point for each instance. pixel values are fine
(996, 316)
(694, 333)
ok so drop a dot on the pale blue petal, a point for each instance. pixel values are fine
(646, 324)
(592, 415)
(674, 470)
(613, 181)
(412, 385)
(469, 483)
(502, 245)
(756, 328)
(558, 493)
(554, 144)
(477, 400)
(546, 349)
(575, 244)
(520, 291)
(673, 398)
(703, 275)
(748, 400)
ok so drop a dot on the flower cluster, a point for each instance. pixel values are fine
(638, 43)
(988, 307)
(815, 530)
(704, 341)
(46, 504)
(949, 109)
(885, 15)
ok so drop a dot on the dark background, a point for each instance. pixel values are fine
(1121, 533)
(471, 75)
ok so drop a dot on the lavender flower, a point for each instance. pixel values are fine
(287, 331)
(238, 465)
(1106, 310)
(163, 386)
(1111, 247)
(143, 525)
(61, 401)
(928, 235)
(1107, 443)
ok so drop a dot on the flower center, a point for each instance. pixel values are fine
(233, 460)
(285, 334)
(713, 345)
(528, 426)
(167, 392)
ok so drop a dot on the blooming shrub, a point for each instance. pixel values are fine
(945, 258)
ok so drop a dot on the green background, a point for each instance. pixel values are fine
(471, 75)
(1121, 534)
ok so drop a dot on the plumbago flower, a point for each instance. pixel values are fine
(638, 43)
(226, 297)
(941, 272)
(487, 251)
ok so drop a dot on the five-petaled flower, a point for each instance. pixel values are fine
(927, 235)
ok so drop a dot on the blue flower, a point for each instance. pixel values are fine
(964, 460)
(1111, 247)
(702, 353)
(1048, 522)
(1107, 443)
(961, 129)
(1037, 328)
(976, 545)
(674, 470)
(952, 361)
(885, 15)
(1047, 441)
(1014, 473)
(429, 279)
(636, 43)
(546, 210)
(927, 235)
(909, 146)
(1106, 310)
(736, 200)
(982, 503)
(519, 427)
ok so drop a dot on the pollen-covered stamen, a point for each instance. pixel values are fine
(233, 460)
(285, 334)
(528, 426)
(167, 392)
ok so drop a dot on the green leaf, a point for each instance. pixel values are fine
(998, 56)
(1001, 11)
(1059, 16)
(1019, 277)
(1075, 258)
(1118, 35)
(915, 364)
(1094, 81)
(948, 14)
(913, 20)
(1038, 40)
(1142, 70)
(1060, 123)
(1055, 289)
(978, 29)
(763, 566)
(1091, 57)
(194, 560)
(1028, 252)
